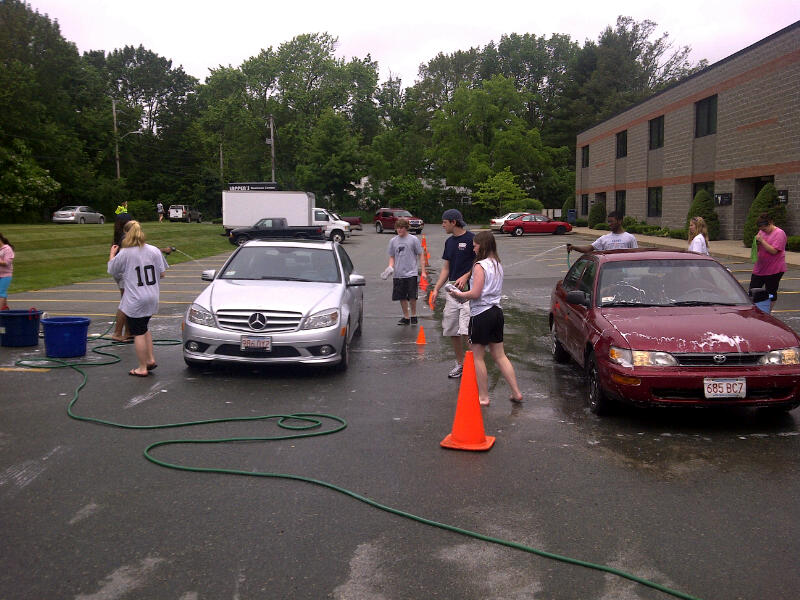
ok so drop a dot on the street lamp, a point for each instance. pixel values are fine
(271, 142)
(117, 138)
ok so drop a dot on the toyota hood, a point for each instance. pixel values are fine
(700, 329)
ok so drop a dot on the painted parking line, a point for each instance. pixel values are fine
(62, 300)
(111, 316)
(113, 290)
(23, 370)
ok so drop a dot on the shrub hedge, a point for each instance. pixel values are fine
(597, 214)
(766, 201)
(703, 206)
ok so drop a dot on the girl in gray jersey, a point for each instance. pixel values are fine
(141, 267)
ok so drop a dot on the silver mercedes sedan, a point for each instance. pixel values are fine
(278, 301)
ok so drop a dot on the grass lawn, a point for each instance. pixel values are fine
(52, 255)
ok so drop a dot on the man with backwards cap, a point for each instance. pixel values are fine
(458, 257)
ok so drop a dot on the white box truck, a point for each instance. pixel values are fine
(243, 204)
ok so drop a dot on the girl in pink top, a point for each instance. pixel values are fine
(771, 263)
(6, 269)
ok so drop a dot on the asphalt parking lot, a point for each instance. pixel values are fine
(703, 502)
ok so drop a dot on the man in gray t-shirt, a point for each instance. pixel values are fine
(405, 253)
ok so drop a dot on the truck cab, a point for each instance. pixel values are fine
(335, 229)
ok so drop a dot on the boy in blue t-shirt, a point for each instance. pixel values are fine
(458, 257)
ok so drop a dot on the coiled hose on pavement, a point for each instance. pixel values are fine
(301, 425)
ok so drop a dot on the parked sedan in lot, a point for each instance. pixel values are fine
(668, 328)
(497, 223)
(277, 302)
(78, 214)
(535, 224)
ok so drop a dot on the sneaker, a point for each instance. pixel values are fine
(413, 320)
(456, 371)
(404, 321)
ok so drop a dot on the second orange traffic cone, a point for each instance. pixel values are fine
(468, 433)
(421, 336)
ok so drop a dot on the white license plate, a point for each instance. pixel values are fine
(260, 343)
(725, 388)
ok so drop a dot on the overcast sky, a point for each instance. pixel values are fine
(200, 35)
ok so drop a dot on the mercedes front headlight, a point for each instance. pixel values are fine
(200, 316)
(325, 318)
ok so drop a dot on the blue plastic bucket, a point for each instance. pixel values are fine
(19, 327)
(65, 337)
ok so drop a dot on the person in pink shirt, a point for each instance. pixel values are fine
(771, 263)
(6, 269)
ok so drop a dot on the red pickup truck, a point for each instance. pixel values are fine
(355, 222)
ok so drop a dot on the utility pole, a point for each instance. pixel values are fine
(271, 142)
(116, 137)
(220, 162)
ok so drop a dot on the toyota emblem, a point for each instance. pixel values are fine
(258, 321)
(720, 358)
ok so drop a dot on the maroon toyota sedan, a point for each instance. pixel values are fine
(531, 223)
(668, 328)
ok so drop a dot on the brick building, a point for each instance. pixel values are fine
(732, 128)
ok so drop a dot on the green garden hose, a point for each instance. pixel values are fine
(302, 425)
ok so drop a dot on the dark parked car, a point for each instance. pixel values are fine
(385, 218)
(184, 212)
(668, 328)
(78, 214)
(532, 223)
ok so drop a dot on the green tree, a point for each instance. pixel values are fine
(48, 102)
(332, 160)
(703, 206)
(765, 202)
(24, 185)
(500, 194)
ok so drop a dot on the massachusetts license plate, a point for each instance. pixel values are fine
(725, 388)
(259, 343)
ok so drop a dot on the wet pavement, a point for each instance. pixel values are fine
(703, 502)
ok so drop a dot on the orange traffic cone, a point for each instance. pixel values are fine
(423, 284)
(430, 302)
(468, 433)
(421, 336)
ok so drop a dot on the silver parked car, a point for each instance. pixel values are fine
(78, 214)
(277, 302)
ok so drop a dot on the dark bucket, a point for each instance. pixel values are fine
(65, 337)
(19, 327)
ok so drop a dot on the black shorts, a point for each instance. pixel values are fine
(404, 288)
(137, 325)
(487, 327)
(767, 281)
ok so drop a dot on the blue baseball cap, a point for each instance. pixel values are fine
(452, 214)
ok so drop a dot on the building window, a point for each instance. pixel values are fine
(622, 144)
(705, 117)
(585, 156)
(654, 202)
(703, 185)
(600, 198)
(619, 202)
(584, 204)
(657, 132)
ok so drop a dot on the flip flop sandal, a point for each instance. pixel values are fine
(133, 373)
(152, 366)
